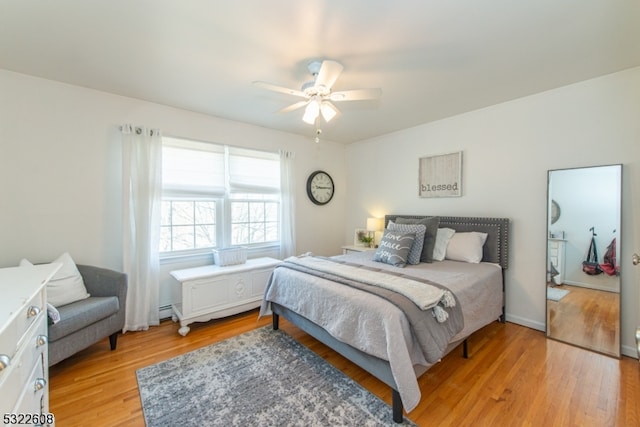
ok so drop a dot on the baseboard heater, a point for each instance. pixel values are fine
(165, 311)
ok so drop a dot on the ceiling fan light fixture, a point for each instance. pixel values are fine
(328, 111)
(317, 94)
(311, 112)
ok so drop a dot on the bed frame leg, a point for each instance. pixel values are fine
(397, 406)
(275, 321)
(465, 349)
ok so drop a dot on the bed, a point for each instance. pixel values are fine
(373, 330)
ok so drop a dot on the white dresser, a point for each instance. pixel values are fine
(24, 372)
(212, 291)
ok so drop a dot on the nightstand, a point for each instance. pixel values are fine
(352, 248)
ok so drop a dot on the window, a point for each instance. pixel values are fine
(253, 221)
(187, 224)
(217, 196)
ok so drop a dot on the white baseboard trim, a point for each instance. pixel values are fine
(526, 322)
(629, 351)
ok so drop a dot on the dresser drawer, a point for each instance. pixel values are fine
(31, 355)
(23, 339)
(30, 400)
(11, 337)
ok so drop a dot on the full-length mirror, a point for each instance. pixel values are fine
(583, 270)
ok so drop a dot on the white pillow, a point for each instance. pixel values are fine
(442, 240)
(66, 286)
(466, 247)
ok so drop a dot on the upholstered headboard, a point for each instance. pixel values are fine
(496, 247)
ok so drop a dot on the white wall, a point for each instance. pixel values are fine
(507, 150)
(60, 166)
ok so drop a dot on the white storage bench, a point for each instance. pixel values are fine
(214, 291)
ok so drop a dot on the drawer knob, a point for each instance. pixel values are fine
(33, 311)
(40, 384)
(41, 340)
(4, 361)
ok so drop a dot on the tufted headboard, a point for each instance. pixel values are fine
(496, 248)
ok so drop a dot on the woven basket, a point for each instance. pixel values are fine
(230, 256)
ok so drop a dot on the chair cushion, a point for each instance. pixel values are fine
(80, 314)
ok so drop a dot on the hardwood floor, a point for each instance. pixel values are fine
(514, 377)
(588, 318)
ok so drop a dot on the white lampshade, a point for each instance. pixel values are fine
(374, 224)
(311, 112)
(328, 111)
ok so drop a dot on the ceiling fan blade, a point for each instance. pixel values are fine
(356, 95)
(281, 89)
(329, 73)
(294, 106)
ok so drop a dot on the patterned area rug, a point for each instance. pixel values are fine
(261, 378)
(556, 294)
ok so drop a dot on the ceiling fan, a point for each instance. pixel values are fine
(317, 94)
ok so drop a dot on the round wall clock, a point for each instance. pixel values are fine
(555, 211)
(320, 187)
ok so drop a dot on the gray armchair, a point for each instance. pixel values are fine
(84, 323)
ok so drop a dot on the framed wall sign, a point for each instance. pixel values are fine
(441, 176)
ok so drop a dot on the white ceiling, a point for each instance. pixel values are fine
(432, 59)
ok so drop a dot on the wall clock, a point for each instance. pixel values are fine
(320, 187)
(555, 211)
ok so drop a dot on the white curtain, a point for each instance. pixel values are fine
(287, 205)
(142, 190)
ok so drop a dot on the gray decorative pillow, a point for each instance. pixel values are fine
(416, 249)
(431, 223)
(394, 248)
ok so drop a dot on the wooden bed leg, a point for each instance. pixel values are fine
(397, 406)
(465, 349)
(275, 321)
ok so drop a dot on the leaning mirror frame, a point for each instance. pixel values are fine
(578, 191)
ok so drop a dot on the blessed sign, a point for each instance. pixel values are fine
(441, 176)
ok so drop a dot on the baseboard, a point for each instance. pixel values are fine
(526, 322)
(629, 351)
(591, 286)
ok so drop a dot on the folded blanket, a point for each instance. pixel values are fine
(423, 295)
(53, 314)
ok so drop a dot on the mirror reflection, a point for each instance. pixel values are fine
(583, 271)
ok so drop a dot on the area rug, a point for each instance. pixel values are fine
(556, 294)
(261, 378)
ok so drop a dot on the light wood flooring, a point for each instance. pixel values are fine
(585, 317)
(514, 377)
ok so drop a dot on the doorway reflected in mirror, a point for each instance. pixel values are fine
(583, 281)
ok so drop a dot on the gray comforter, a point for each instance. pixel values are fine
(432, 335)
(378, 327)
